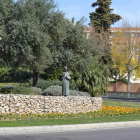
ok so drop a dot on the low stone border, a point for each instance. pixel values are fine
(48, 104)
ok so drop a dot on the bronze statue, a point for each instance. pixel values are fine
(65, 82)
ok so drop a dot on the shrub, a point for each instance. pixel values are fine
(12, 75)
(51, 74)
(43, 84)
(4, 75)
(121, 79)
(20, 89)
(53, 91)
(57, 91)
(78, 93)
(19, 75)
(36, 90)
(7, 89)
(72, 86)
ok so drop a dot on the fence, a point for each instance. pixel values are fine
(122, 87)
(131, 95)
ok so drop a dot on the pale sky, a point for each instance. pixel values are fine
(129, 9)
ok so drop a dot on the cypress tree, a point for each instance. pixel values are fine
(103, 17)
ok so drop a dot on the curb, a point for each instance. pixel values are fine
(62, 128)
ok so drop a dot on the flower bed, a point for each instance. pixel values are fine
(106, 111)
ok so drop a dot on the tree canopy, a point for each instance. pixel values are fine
(103, 17)
(37, 35)
(125, 51)
(28, 29)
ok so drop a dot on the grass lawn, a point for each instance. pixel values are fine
(62, 121)
(68, 121)
(120, 103)
(15, 84)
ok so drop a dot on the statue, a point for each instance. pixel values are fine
(65, 82)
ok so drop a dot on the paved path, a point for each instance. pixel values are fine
(58, 128)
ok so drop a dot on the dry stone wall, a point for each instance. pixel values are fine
(48, 104)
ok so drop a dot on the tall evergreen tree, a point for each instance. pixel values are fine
(103, 16)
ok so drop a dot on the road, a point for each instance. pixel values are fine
(131, 133)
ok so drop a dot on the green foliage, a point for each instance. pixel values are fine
(7, 89)
(14, 84)
(19, 89)
(122, 80)
(94, 81)
(72, 86)
(29, 28)
(78, 93)
(5, 75)
(103, 17)
(53, 91)
(25, 90)
(36, 35)
(12, 75)
(43, 84)
(24, 37)
(57, 91)
(51, 74)
(36, 90)
(76, 52)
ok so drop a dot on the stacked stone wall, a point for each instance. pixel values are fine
(48, 104)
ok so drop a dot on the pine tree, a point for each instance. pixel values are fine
(103, 16)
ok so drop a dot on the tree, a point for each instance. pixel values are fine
(71, 52)
(101, 20)
(29, 28)
(126, 50)
(95, 81)
(103, 16)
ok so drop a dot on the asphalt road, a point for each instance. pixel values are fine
(132, 133)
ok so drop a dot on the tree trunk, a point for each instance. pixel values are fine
(35, 77)
(128, 86)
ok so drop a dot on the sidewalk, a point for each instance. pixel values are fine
(58, 128)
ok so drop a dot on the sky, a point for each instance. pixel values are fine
(127, 9)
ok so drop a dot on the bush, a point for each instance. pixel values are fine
(19, 75)
(51, 74)
(4, 75)
(78, 93)
(43, 84)
(20, 89)
(12, 75)
(121, 79)
(72, 86)
(53, 91)
(36, 90)
(7, 89)
(57, 91)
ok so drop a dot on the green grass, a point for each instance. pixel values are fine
(120, 103)
(14, 84)
(68, 121)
